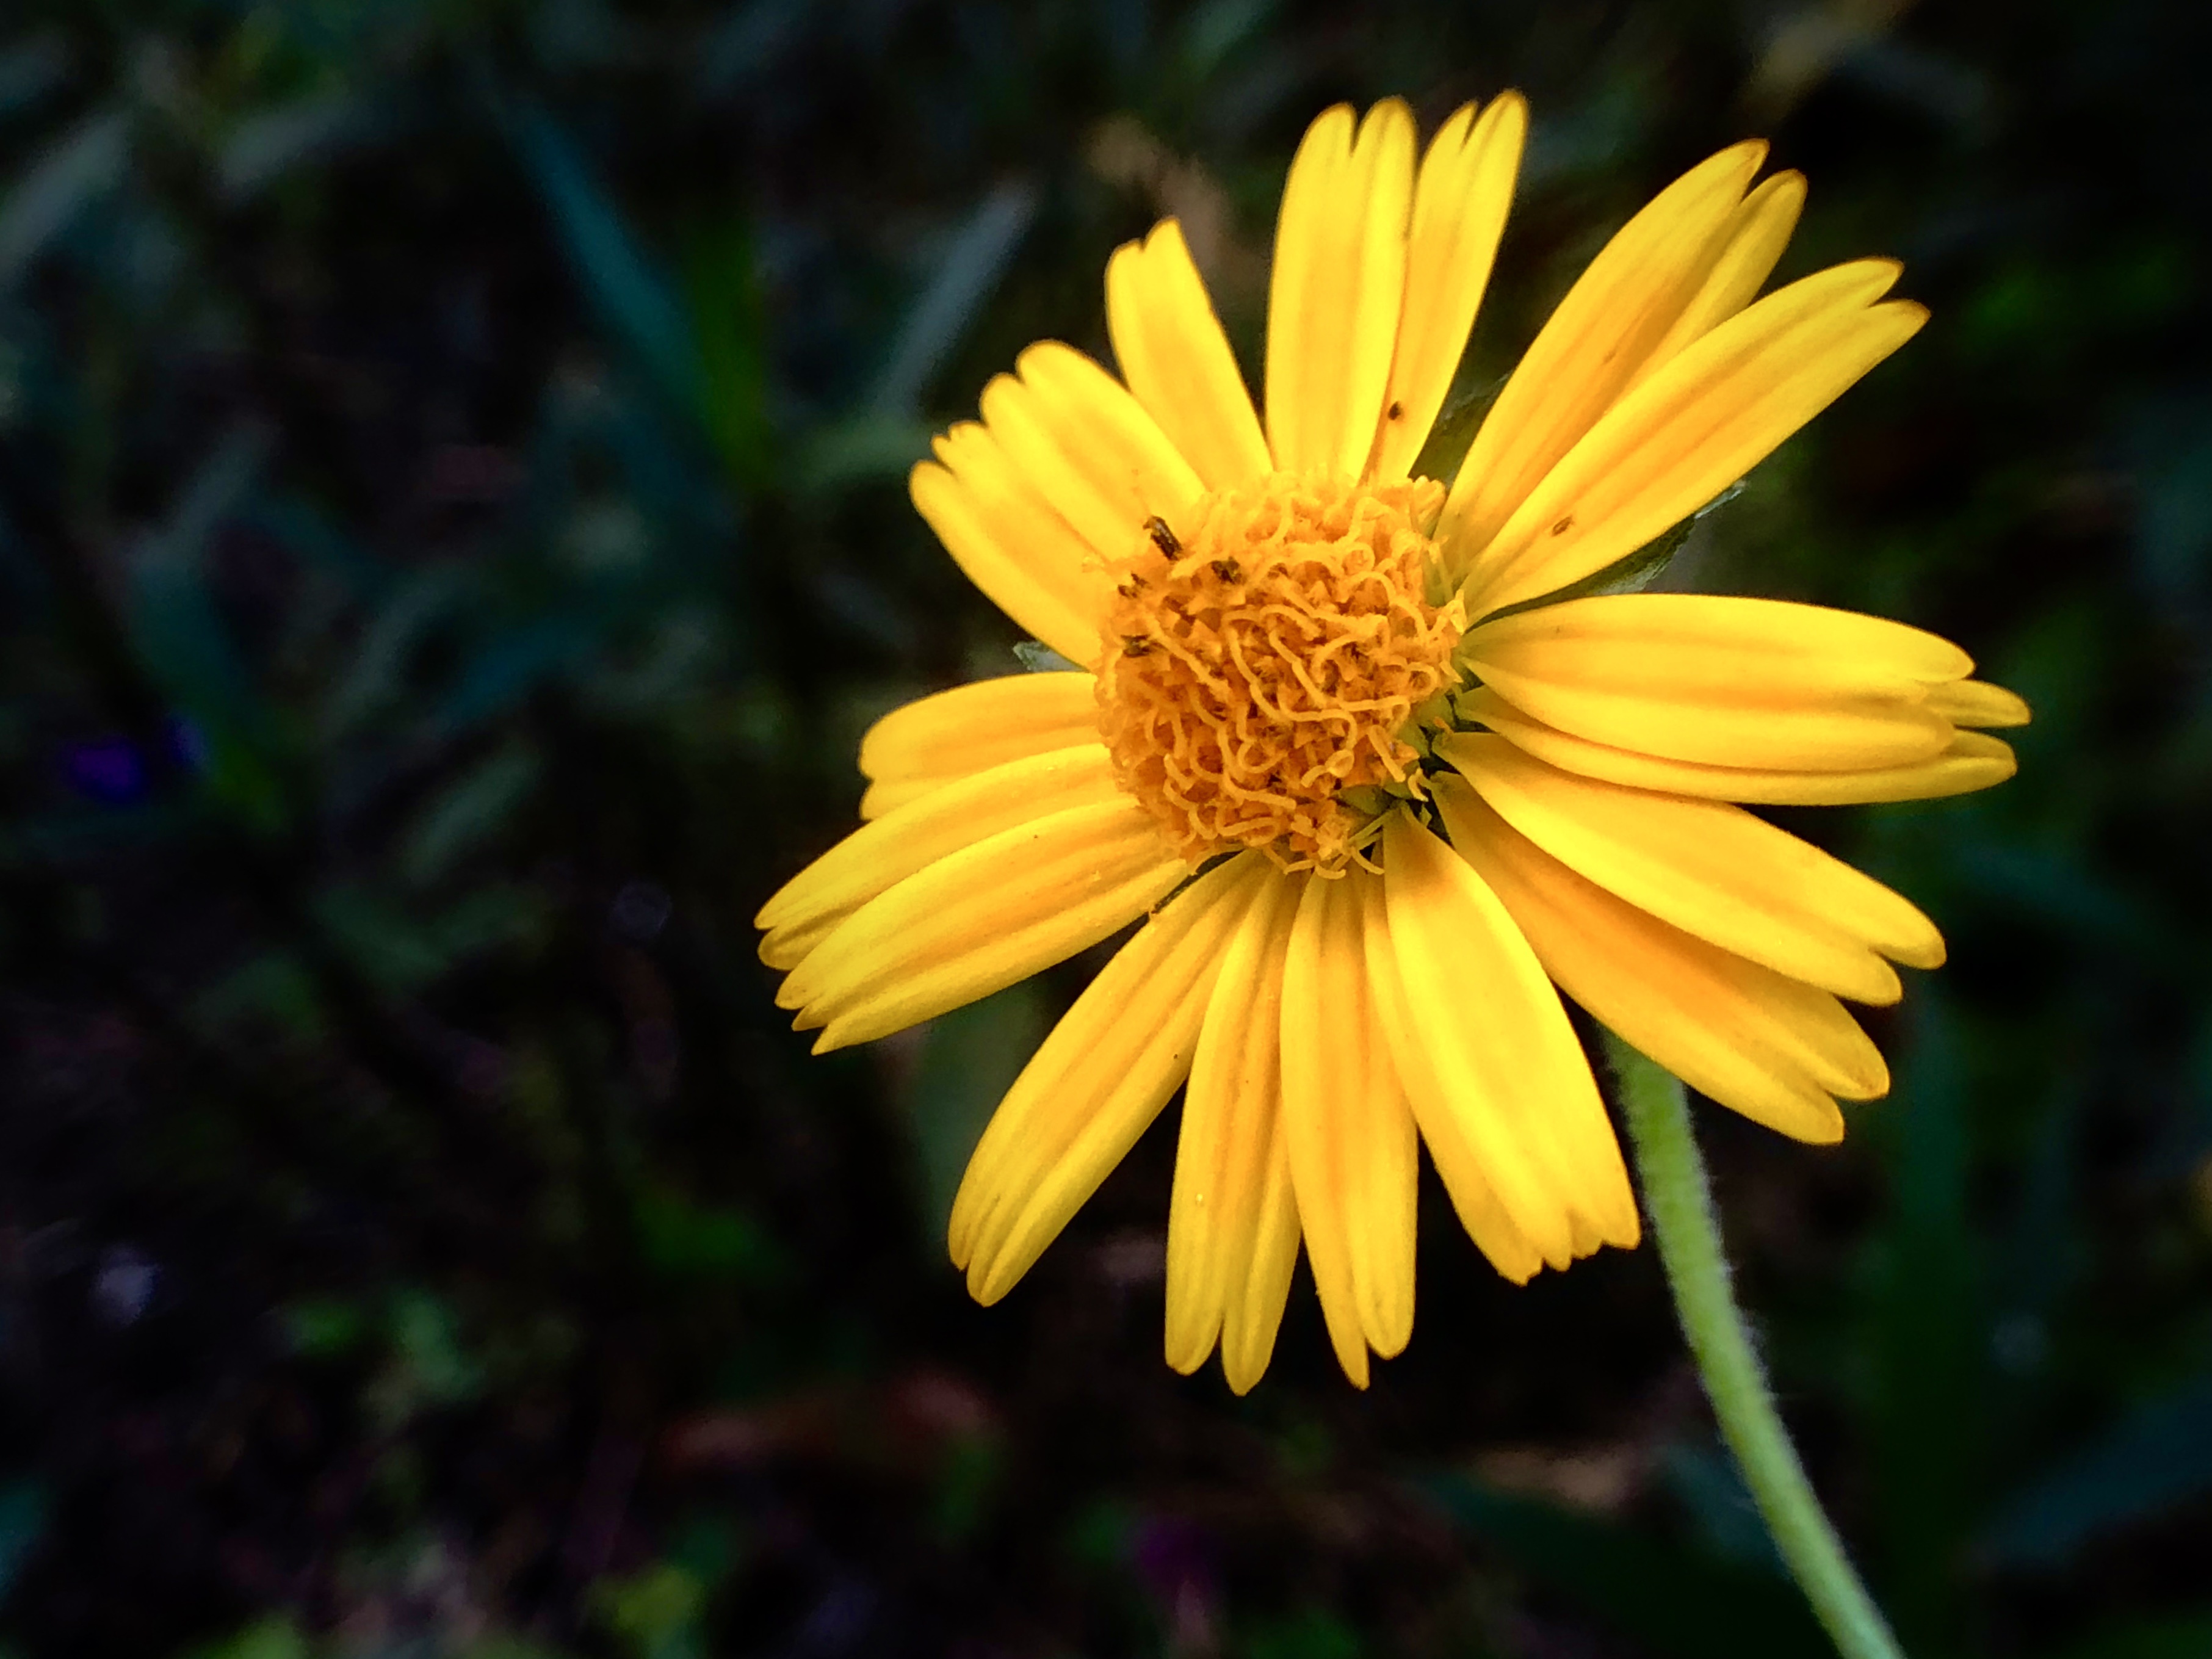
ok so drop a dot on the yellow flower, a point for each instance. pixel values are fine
(1372, 774)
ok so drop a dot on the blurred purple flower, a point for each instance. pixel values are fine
(113, 770)
(110, 770)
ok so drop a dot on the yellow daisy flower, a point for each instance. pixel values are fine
(1370, 757)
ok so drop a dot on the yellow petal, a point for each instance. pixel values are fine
(880, 855)
(1082, 442)
(1712, 870)
(1969, 762)
(1975, 703)
(1353, 1160)
(1725, 681)
(1176, 360)
(1757, 233)
(1255, 1314)
(950, 735)
(1769, 1047)
(1504, 1086)
(1474, 1198)
(1459, 205)
(1010, 543)
(1224, 1214)
(1703, 419)
(1339, 281)
(1611, 320)
(1097, 1082)
(980, 920)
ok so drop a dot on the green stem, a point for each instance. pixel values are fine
(1679, 1202)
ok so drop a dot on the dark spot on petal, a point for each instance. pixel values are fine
(1163, 538)
(1397, 410)
(1564, 525)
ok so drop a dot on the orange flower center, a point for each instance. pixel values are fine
(1270, 660)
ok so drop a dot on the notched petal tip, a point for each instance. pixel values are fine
(1829, 1132)
(1929, 953)
(1387, 113)
(1910, 314)
(1880, 272)
(778, 950)
(1513, 1272)
(1752, 152)
(1976, 703)
(988, 1282)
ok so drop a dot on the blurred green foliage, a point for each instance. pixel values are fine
(453, 533)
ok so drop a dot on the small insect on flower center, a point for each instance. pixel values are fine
(1267, 660)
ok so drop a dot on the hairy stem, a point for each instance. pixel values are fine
(1678, 1200)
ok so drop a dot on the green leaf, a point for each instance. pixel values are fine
(655, 1613)
(2157, 1457)
(969, 269)
(969, 1058)
(635, 301)
(272, 1638)
(269, 143)
(724, 295)
(1706, 1480)
(1674, 1601)
(685, 1240)
(471, 811)
(76, 170)
(427, 1334)
(1311, 1633)
(325, 1327)
(23, 1523)
(2186, 1635)
(1927, 1321)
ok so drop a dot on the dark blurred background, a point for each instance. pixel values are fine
(452, 531)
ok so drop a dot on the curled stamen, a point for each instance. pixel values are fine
(1285, 648)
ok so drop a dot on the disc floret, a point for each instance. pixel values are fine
(1268, 658)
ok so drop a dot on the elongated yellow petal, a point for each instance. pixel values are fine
(1224, 1218)
(1725, 681)
(1460, 202)
(1097, 1082)
(1082, 442)
(1512, 1091)
(954, 734)
(880, 855)
(1704, 418)
(1772, 1048)
(1010, 543)
(1975, 703)
(1337, 287)
(1611, 321)
(980, 725)
(1969, 762)
(1758, 232)
(976, 922)
(1474, 1198)
(1176, 360)
(1712, 870)
(1350, 1130)
(1255, 1314)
